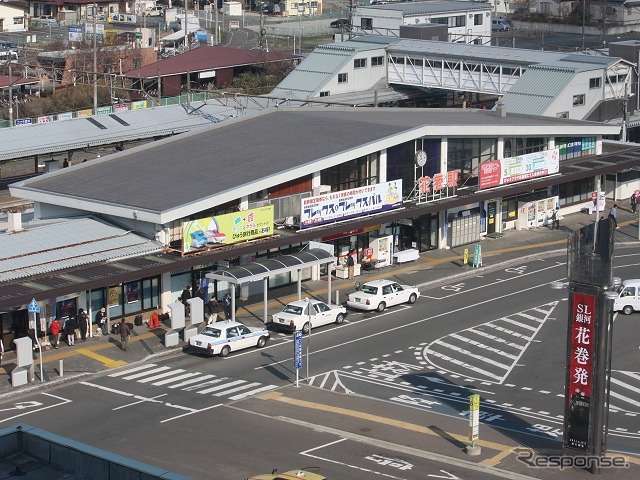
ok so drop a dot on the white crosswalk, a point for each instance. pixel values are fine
(203, 384)
(487, 352)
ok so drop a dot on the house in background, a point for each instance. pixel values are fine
(13, 15)
(466, 22)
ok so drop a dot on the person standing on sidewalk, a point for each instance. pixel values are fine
(613, 213)
(55, 332)
(83, 324)
(70, 330)
(633, 202)
(350, 265)
(101, 320)
(125, 332)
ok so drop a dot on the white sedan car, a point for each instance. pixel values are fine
(224, 337)
(380, 294)
(304, 314)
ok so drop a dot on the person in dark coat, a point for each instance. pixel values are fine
(70, 329)
(83, 324)
(226, 304)
(125, 332)
(212, 310)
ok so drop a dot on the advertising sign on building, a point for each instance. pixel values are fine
(227, 229)
(356, 202)
(517, 169)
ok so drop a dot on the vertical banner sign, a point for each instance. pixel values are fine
(297, 342)
(580, 363)
(465, 259)
(477, 256)
(474, 418)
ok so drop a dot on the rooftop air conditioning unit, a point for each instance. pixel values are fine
(321, 190)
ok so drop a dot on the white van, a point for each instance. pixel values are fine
(8, 56)
(628, 300)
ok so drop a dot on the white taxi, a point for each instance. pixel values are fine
(380, 294)
(221, 338)
(304, 314)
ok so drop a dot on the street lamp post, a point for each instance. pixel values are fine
(584, 7)
(301, 9)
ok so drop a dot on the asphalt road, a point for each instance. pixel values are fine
(500, 334)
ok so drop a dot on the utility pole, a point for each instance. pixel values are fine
(95, 58)
(352, 9)
(184, 28)
(10, 92)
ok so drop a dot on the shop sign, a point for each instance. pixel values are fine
(518, 169)
(356, 202)
(227, 229)
(64, 116)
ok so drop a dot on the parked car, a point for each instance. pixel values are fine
(305, 314)
(156, 11)
(309, 473)
(47, 20)
(221, 338)
(340, 23)
(499, 25)
(380, 294)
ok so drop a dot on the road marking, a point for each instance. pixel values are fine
(253, 392)
(145, 373)
(106, 361)
(131, 370)
(220, 387)
(162, 375)
(237, 389)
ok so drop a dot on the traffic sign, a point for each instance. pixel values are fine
(34, 307)
(297, 342)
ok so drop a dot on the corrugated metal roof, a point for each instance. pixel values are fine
(536, 89)
(206, 58)
(62, 136)
(322, 65)
(49, 247)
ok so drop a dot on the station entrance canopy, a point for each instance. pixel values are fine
(256, 271)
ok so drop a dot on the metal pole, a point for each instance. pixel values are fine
(308, 341)
(10, 92)
(95, 58)
(584, 6)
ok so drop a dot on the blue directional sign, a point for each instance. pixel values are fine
(34, 307)
(297, 348)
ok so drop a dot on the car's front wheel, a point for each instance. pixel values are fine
(339, 318)
(412, 298)
(262, 341)
(225, 351)
(306, 327)
(381, 307)
(627, 310)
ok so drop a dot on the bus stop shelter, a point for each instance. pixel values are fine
(262, 270)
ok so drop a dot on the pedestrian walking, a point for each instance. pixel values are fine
(1, 351)
(101, 320)
(125, 332)
(613, 213)
(70, 329)
(55, 332)
(83, 324)
(633, 202)
(351, 265)
(212, 310)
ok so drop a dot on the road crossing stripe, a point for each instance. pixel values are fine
(508, 332)
(482, 345)
(145, 373)
(465, 365)
(629, 374)
(131, 370)
(530, 317)
(253, 392)
(495, 338)
(237, 389)
(193, 380)
(625, 385)
(161, 375)
(175, 379)
(520, 324)
(220, 387)
(626, 399)
(472, 355)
